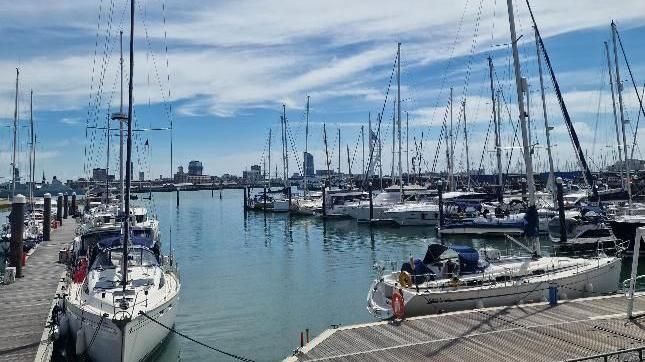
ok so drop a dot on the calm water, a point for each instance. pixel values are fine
(250, 285)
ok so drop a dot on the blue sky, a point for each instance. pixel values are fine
(231, 66)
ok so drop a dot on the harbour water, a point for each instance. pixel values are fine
(250, 285)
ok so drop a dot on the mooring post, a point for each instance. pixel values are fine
(563, 225)
(221, 186)
(177, 188)
(440, 191)
(289, 193)
(47, 216)
(59, 209)
(17, 230)
(213, 190)
(244, 199)
(324, 200)
(369, 189)
(74, 210)
(264, 200)
(65, 205)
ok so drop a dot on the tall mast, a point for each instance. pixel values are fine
(32, 158)
(327, 162)
(547, 128)
(349, 167)
(393, 140)
(15, 140)
(528, 162)
(121, 125)
(107, 161)
(451, 150)
(339, 154)
(269, 167)
(285, 153)
(363, 158)
(613, 103)
(498, 147)
(466, 138)
(306, 144)
(407, 145)
(398, 114)
(128, 169)
(619, 85)
(380, 155)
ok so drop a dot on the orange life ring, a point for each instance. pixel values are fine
(398, 305)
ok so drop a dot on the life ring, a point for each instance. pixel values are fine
(398, 305)
(405, 279)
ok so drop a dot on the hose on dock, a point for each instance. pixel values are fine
(196, 341)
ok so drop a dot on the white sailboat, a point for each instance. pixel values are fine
(458, 277)
(123, 293)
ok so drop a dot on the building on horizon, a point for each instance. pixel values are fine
(195, 168)
(308, 164)
(182, 177)
(253, 175)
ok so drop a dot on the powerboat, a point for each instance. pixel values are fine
(414, 214)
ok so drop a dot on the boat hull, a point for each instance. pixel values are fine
(601, 280)
(135, 340)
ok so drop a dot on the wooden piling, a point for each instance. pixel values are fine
(59, 209)
(177, 188)
(47, 216)
(324, 200)
(74, 209)
(563, 224)
(65, 205)
(17, 230)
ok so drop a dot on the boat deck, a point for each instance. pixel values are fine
(26, 304)
(537, 332)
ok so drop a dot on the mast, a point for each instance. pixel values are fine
(496, 121)
(327, 162)
(622, 115)
(128, 169)
(121, 125)
(339, 155)
(107, 161)
(285, 150)
(32, 158)
(265, 170)
(306, 144)
(363, 140)
(451, 151)
(349, 167)
(380, 155)
(407, 145)
(393, 140)
(466, 138)
(15, 140)
(613, 103)
(398, 114)
(531, 213)
(547, 128)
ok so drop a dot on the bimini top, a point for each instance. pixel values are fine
(468, 256)
(115, 242)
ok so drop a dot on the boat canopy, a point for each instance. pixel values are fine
(468, 256)
(115, 241)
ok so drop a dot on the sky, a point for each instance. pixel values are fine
(231, 65)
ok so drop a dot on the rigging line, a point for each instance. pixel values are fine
(380, 118)
(631, 76)
(635, 131)
(173, 330)
(600, 91)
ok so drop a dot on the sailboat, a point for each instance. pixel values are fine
(123, 294)
(451, 278)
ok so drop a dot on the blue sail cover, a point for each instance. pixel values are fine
(115, 241)
(468, 258)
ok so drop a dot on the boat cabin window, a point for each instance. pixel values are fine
(106, 219)
(146, 233)
(136, 257)
(139, 218)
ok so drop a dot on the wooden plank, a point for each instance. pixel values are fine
(25, 304)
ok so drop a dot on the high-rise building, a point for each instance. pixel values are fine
(308, 164)
(141, 176)
(256, 168)
(195, 168)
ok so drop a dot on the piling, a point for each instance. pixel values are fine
(220, 190)
(244, 199)
(47, 216)
(563, 226)
(17, 230)
(65, 205)
(440, 192)
(289, 194)
(177, 188)
(74, 209)
(302, 339)
(59, 209)
(307, 334)
(369, 190)
(324, 200)
(213, 190)
(264, 200)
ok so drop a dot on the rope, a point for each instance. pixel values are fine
(194, 340)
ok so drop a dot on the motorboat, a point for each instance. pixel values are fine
(414, 214)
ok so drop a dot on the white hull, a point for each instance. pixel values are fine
(482, 230)
(414, 218)
(600, 279)
(142, 336)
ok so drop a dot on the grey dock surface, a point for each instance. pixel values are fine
(533, 332)
(25, 305)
